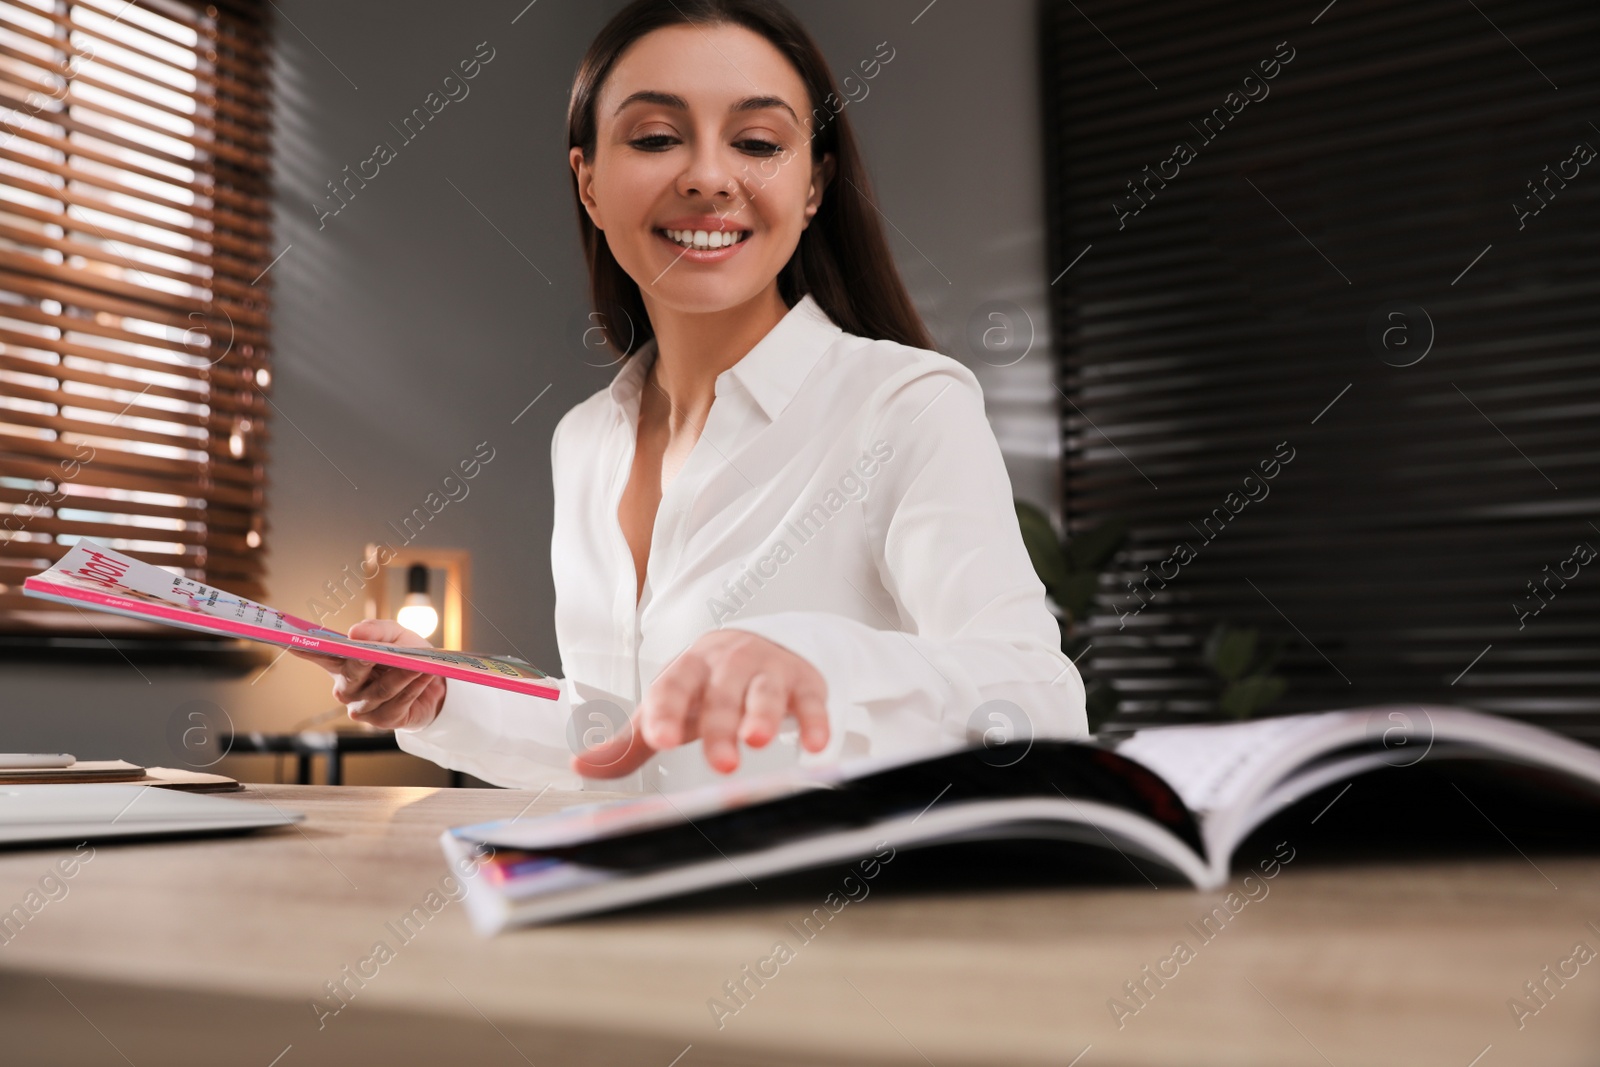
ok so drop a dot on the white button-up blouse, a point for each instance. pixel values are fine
(847, 500)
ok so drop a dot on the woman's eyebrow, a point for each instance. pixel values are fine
(672, 100)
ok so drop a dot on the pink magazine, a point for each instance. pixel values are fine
(100, 578)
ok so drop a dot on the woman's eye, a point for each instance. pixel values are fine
(656, 142)
(660, 142)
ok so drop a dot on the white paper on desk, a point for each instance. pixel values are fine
(614, 818)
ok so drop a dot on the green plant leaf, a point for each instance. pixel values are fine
(1091, 550)
(1044, 549)
(1272, 651)
(1229, 650)
(1077, 594)
(1243, 698)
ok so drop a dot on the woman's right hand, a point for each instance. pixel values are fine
(386, 697)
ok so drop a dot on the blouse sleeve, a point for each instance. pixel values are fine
(510, 739)
(977, 648)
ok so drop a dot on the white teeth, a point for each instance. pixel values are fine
(706, 239)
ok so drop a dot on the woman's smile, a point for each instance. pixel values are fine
(703, 238)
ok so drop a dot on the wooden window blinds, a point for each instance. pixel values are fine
(134, 341)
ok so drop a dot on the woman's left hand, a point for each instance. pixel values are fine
(730, 685)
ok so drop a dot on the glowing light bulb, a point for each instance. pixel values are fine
(418, 615)
(417, 612)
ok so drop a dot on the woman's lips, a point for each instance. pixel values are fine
(702, 255)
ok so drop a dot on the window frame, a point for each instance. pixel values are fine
(135, 240)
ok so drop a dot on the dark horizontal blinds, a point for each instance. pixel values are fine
(1279, 286)
(134, 347)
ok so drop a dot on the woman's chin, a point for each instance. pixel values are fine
(702, 296)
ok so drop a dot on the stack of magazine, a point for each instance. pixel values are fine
(1181, 797)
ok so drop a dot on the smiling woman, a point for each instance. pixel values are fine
(730, 233)
(781, 148)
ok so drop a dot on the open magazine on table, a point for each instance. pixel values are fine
(102, 579)
(1183, 797)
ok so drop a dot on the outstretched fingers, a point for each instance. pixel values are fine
(724, 689)
(766, 703)
(666, 712)
(810, 706)
(722, 709)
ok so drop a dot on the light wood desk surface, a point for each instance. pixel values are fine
(212, 951)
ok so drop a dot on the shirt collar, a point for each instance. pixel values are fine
(770, 373)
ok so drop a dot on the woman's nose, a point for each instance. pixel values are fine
(708, 173)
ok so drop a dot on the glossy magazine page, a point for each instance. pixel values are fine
(102, 579)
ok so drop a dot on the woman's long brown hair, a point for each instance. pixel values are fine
(842, 259)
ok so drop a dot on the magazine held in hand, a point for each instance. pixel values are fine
(92, 576)
(1183, 797)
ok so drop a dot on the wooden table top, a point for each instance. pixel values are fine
(215, 951)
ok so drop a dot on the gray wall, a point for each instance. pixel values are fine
(410, 326)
